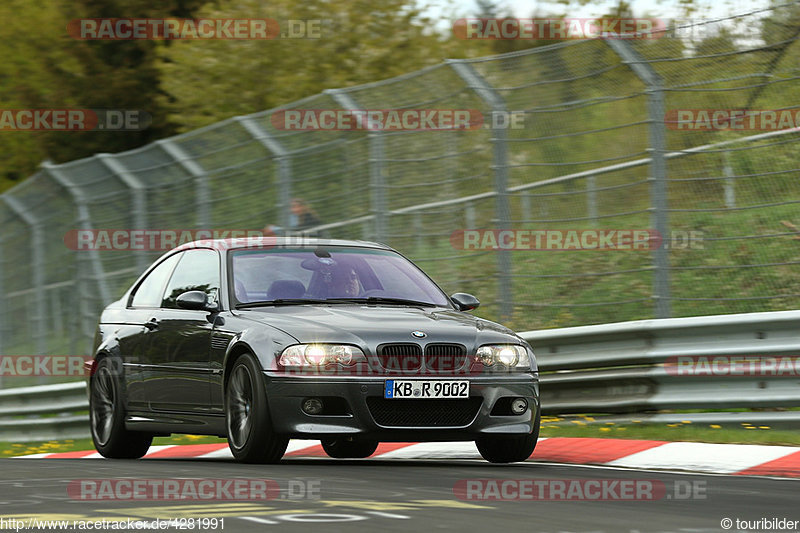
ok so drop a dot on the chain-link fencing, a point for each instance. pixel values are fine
(608, 136)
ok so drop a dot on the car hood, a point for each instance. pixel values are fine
(371, 325)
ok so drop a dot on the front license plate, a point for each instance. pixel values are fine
(401, 389)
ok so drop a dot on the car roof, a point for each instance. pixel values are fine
(271, 242)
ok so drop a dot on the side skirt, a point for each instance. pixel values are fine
(168, 423)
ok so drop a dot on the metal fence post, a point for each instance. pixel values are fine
(591, 199)
(378, 185)
(284, 165)
(418, 238)
(525, 206)
(377, 177)
(202, 192)
(87, 314)
(496, 104)
(139, 191)
(37, 269)
(469, 216)
(3, 310)
(658, 167)
(729, 184)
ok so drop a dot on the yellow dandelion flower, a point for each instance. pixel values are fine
(715, 426)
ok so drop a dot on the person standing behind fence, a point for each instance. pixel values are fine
(302, 218)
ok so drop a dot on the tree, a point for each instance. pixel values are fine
(43, 67)
(361, 41)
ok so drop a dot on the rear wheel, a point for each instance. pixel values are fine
(251, 437)
(107, 415)
(349, 449)
(513, 449)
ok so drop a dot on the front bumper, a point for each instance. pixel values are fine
(286, 394)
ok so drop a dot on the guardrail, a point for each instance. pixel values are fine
(42, 413)
(632, 368)
(616, 369)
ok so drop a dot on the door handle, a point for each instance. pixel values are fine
(151, 324)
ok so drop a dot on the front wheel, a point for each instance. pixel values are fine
(349, 449)
(251, 437)
(497, 449)
(107, 415)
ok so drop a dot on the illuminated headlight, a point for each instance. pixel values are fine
(504, 355)
(321, 355)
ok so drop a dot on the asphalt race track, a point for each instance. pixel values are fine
(396, 495)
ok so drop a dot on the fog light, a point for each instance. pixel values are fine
(312, 406)
(519, 406)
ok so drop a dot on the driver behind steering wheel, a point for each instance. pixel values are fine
(344, 283)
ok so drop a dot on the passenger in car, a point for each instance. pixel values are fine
(344, 283)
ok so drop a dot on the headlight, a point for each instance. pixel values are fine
(504, 355)
(317, 355)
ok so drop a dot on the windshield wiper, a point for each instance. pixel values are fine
(302, 301)
(280, 301)
(384, 300)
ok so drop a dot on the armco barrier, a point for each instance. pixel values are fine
(48, 412)
(614, 369)
(620, 368)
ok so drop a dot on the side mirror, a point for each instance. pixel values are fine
(194, 300)
(464, 301)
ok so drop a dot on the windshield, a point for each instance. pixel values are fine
(330, 273)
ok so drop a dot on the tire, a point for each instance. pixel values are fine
(349, 449)
(251, 437)
(107, 415)
(509, 449)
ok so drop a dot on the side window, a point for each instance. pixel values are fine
(149, 292)
(197, 271)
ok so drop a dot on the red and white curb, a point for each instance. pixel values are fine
(737, 459)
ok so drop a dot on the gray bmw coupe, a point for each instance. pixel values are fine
(262, 340)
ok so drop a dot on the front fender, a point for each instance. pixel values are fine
(264, 342)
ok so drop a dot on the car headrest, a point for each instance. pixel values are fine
(285, 289)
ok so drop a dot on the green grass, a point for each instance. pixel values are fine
(9, 449)
(741, 434)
